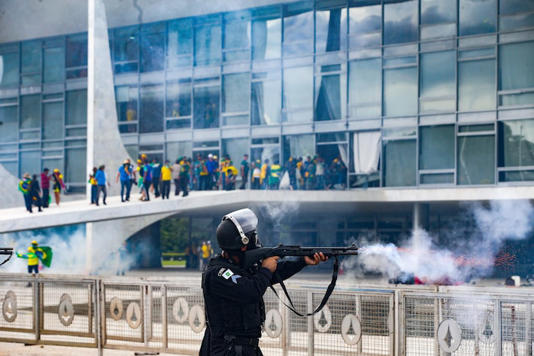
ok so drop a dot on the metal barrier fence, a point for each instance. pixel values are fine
(169, 317)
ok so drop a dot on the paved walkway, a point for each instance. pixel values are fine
(9, 349)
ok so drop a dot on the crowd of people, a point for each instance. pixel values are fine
(204, 172)
(38, 194)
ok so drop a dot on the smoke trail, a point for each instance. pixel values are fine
(472, 256)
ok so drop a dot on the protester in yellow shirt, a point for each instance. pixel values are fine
(166, 176)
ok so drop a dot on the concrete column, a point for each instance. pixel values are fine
(104, 144)
(420, 216)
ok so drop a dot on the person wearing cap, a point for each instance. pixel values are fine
(125, 174)
(233, 295)
(45, 186)
(35, 193)
(57, 179)
(211, 167)
(35, 253)
(24, 187)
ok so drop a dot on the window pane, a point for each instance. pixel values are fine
(515, 71)
(299, 146)
(174, 150)
(331, 29)
(9, 124)
(298, 94)
(442, 178)
(236, 40)
(206, 107)
(152, 51)
(179, 98)
(236, 148)
(516, 146)
(75, 164)
(272, 153)
(400, 22)
(365, 24)
(508, 7)
(236, 92)
(208, 44)
(438, 81)
(30, 112)
(180, 43)
(477, 17)
(9, 65)
(517, 22)
(476, 160)
(519, 176)
(126, 49)
(126, 103)
(267, 38)
(52, 120)
(400, 93)
(331, 97)
(437, 147)
(54, 65)
(76, 107)
(476, 85)
(151, 118)
(31, 62)
(298, 32)
(438, 11)
(30, 162)
(76, 51)
(399, 163)
(365, 88)
(266, 100)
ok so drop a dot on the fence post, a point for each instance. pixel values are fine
(98, 315)
(359, 316)
(400, 344)
(286, 333)
(309, 319)
(528, 329)
(164, 317)
(498, 326)
(391, 326)
(37, 309)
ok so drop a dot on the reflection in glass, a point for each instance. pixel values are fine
(365, 88)
(298, 33)
(508, 7)
(438, 11)
(236, 93)
(436, 147)
(9, 62)
(476, 85)
(76, 107)
(30, 162)
(236, 148)
(476, 160)
(54, 65)
(75, 165)
(438, 81)
(174, 150)
(206, 107)
(76, 51)
(30, 112)
(298, 94)
(517, 22)
(151, 112)
(126, 97)
(516, 143)
(399, 163)
(267, 39)
(266, 99)
(400, 91)
(477, 17)
(52, 120)
(331, 97)
(31, 63)
(8, 130)
(125, 49)
(400, 22)
(152, 51)
(236, 40)
(515, 72)
(179, 98)
(270, 152)
(180, 43)
(208, 44)
(330, 30)
(365, 23)
(299, 146)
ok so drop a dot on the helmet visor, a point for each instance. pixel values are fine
(244, 220)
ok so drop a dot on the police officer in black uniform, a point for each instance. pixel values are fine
(233, 297)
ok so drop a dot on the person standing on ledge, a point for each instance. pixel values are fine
(45, 186)
(24, 187)
(233, 296)
(101, 180)
(57, 178)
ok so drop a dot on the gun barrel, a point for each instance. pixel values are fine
(6, 251)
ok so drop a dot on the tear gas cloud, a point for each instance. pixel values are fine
(69, 248)
(472, 252)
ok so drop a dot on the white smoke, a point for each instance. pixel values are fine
(473, 256)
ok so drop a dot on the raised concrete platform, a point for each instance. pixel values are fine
(220, 202)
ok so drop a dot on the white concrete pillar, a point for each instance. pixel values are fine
(104, 144)
(420, 216)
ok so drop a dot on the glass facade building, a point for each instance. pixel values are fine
(407, 93)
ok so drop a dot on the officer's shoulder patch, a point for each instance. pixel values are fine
(227, 274)
(221, 271)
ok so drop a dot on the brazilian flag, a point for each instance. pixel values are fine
(47, 261)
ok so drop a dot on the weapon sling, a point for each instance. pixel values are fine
(326, 296)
